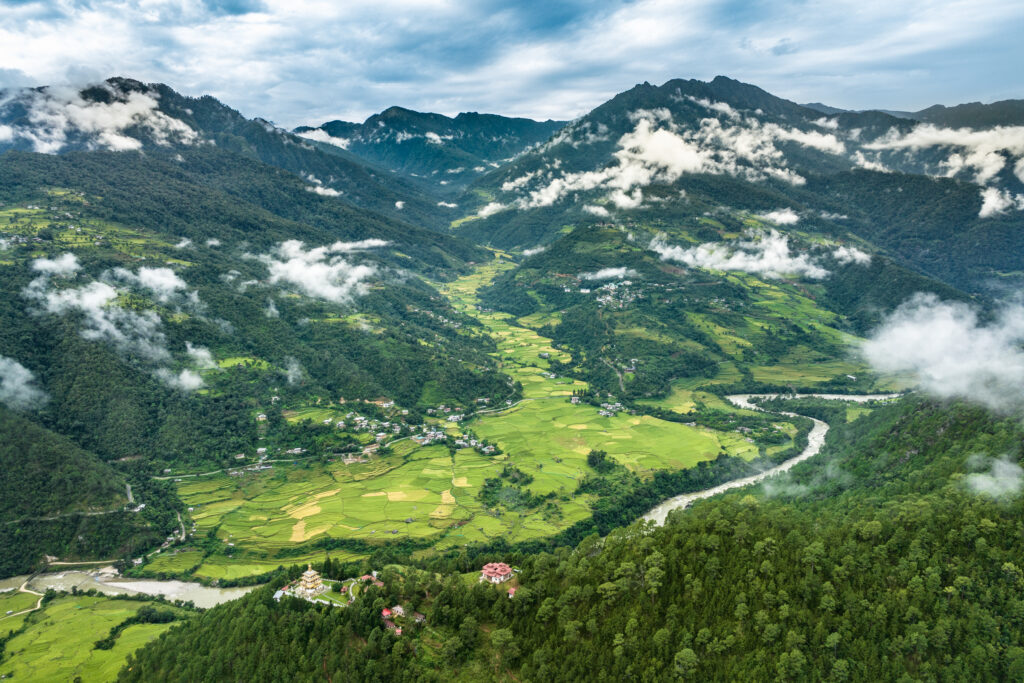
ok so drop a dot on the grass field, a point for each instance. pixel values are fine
(58, 643)
(174, 562)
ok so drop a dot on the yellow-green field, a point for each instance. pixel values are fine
(57, 645)
(427, 494)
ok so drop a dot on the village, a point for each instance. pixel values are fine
(312, 587)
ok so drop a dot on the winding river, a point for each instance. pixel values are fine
(109, 584)
(815, 440)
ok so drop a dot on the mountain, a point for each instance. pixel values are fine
(442, 153)
(666, 152)
(122, 114)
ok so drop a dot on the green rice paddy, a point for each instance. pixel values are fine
(429, 494)
(58, 643)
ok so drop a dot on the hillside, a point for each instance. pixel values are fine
(887, 542)
(942, 201)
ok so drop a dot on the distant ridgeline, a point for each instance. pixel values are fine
(888, 542)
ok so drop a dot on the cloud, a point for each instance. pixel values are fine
(17, 386)
(321, 135)
(399, 205)
(995, 202)
(51, 118)
(596, 210)
(847, 255)
(163, 283)
(781, 216)
(316, 273)
(491, 209)
(63, 265)
(271, 310)
(347, 60)
(609, 274)
(533, 251)
(358, 245)
(767, 254)
(983, 152)
(183, 243)
(213, 242)
(448, 205)
(951, 354)
(186, 380)
(293, 370)
(201, 357)
(1003, 479)
(658, 150)
(323, 191)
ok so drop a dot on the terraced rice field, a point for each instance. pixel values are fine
(58, 643)
(427, 493)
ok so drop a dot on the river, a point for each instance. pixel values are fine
(201, 596)
(815, 440)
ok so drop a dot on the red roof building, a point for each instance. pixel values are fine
(385, 613)
(512, 592)
(496, 572)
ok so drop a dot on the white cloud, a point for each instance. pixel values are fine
(721, 107)
(323, 191)
(56, 116)
(213, 242)
(293, 370)
(399, 205)
(596, 210)
(163, 283)
(271, 310)
(995, 201)
(1004, 478)
(869, 164)
(951, 353)
(320, 135)
(781, 216)
(186, 380)
(982, 151)
(768, 254)
(63, 265)
(532, 251)
(824, 122)
(609, 274)
(851, 255)
(658, 150)
(318, 274)
(134, 333)
(183, 243)
(17, 386)
(358, 245)
(201, 357)
(491, 209)
(448, 205)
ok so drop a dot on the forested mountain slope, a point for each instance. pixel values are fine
(445, 154)
(943, 201)
(889, 556)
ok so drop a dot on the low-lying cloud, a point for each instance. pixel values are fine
(52, 118)
(951, 353)
(609, 274)
(1003, 479)
(766, 254)
(17, 386)
(321, 272)
(658, 150)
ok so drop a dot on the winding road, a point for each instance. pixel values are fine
(815, 440)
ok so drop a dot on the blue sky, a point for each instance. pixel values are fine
(299, 61)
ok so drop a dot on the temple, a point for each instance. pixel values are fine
(496, 572)
(310, 585)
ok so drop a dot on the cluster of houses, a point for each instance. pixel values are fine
(616, 294)
(429, 435)
(388, 614)
(473, 442)
(610, 409)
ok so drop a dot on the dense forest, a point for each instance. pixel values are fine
(885, 558)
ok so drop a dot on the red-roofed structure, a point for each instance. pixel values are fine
(385, 613)
(496, 572)
(512, 592)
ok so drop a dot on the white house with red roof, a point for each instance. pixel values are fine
(496, 572)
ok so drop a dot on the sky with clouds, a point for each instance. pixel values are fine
(306, 61)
